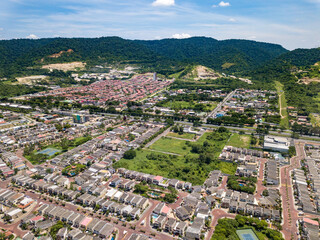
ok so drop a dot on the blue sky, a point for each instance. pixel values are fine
(291, 23)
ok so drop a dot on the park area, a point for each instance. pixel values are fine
(181, 159)
(38, 156)
(245, 228)
(49, 151)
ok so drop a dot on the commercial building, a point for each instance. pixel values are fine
(278, 144)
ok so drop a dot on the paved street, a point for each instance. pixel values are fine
(217, 214)
(260, 186)
(289, 213)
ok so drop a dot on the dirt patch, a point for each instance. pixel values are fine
(245, 139)
(203, 72)
(56, 55)
(308, 80)
(29, 80)
(65, 66)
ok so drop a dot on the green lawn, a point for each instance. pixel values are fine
(171, 145)
(315, 119)
(180, 105)
(183, 136)
(187, 167)
(282, 105)
(241, 141)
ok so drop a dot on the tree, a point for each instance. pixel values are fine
(130, 154)
(169, 121)
(55, 228)
(140, 188)
(292, 151)
(170, 197)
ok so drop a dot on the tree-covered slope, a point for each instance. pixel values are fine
(300, 57)
(16, 55)
(227, 55)
(303, 96)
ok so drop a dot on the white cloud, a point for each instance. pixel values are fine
(232, 20)
(252, 37)
(158, 3)
(223, 4)
(32, 36)
(181, 36)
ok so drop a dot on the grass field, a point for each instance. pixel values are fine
(183, 136)
(282, 105)
(186, 167)
(241, 141)
(315, 119)
(180, 105)
(171, 145)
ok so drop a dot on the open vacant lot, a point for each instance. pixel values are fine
(65, 66)
(241, 141)
(171, 145)
(192, 105)
(195, 162)
(183, 136)
(30, 79)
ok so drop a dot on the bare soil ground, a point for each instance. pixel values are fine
(309, 80)
(203, 72)
(30, 79)
(65, 66)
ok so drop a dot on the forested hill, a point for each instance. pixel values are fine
(228, 55)
(16, 55)
(300, 57)
(279, 68)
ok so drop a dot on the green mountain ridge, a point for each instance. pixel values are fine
(166, 55)
(244, 54)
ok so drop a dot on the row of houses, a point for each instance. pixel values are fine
(240, 155)
(314, 178)
(179, 225)
(181, 228)
(271, 172)
(5, 170)
(77, 220)
(10, 198)
(13, 160)
(310, 229)
(301, 190)
(152, 179)
(214, 179)
(244, 203)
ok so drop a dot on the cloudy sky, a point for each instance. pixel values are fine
(291, 23)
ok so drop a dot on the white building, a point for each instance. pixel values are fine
(279, 144)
